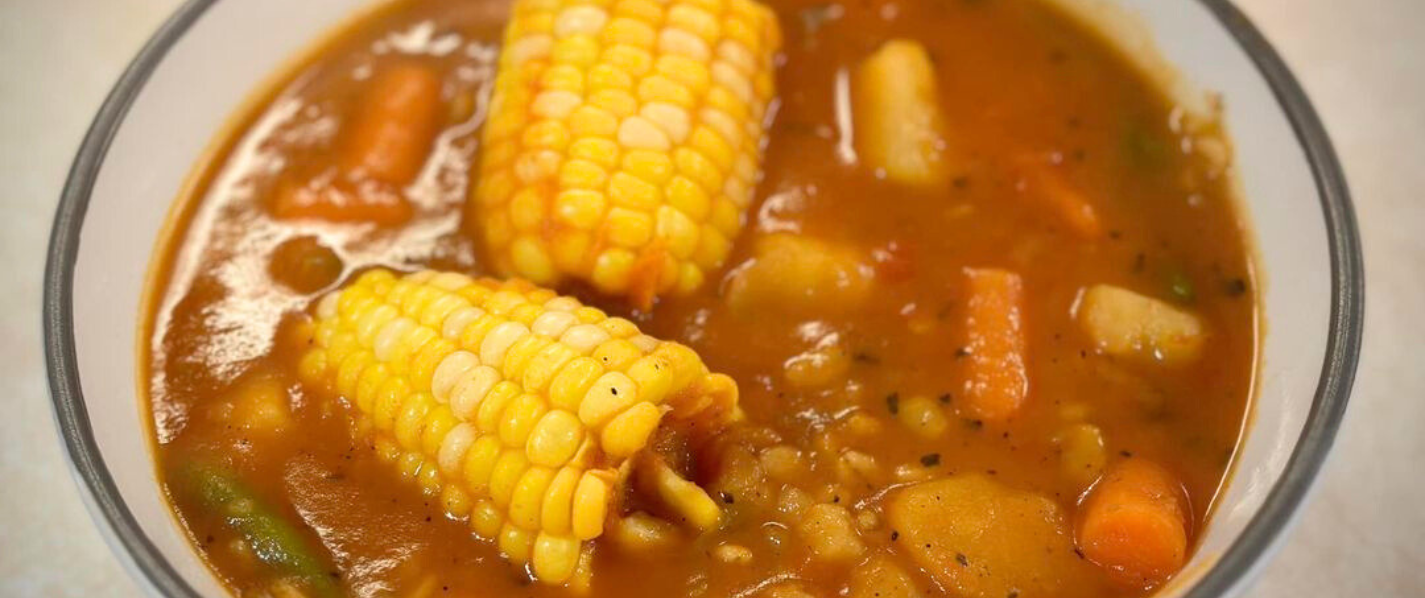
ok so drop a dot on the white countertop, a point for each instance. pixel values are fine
(1363, 64)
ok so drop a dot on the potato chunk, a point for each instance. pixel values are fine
(1123, 323)
(899, 129)
(830, 533)
(979, 538)
(880, 577)
(796, 274)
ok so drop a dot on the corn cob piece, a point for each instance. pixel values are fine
(519, 408)
(624, 140)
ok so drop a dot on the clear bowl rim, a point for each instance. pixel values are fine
(1247, 551)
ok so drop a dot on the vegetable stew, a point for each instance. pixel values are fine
(784, 299)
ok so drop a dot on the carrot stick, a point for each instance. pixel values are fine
(1066, 202)
(383, 148)
(1133, 523)
(995, 383)
(394, 125)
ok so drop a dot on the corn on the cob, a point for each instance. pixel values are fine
(519, 408)
(624, 140)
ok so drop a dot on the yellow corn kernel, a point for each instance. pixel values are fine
(565, 78)
(690, 278)
(712, 146)
(589, 315)
(428, 478)
(509, 468)
(687, 197)
(569, 386)
(653, 376)
(712, 247)
(480, 462)
(519, 419)
(672, 120)
(516, 543)
(545, 365)
(557, 510)
(579, 20)
(683, 43)
(651, 166)
(485, 519)
(451, 370)
(923, 416)
(424, 362)
(350, 370)
(629, 191)
(580, 208)
(617, 354)
(312, 368)
(455, 501)
(619, 328)
(554, 438)
(623, 30)
(629, 432)
(677, 231)
(528, 498)
(372, 378)
(577, 50)
(646, 10)
(726, 217)
(617, 102)
(388, 400)
(471, 391)
(628, 228)
(698, 168)
(524, 349)
(411, 421)
(492, 407)
(591, 503)
(631, 59)
(584, 338)
(453, 447)
(555, 557)
(690, 73)
(658, 88)
(611, 393)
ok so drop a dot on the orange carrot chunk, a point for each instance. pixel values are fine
(393, 127)
(1064, 201)
(383, 148)
(1133, 523)
(992, 357)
